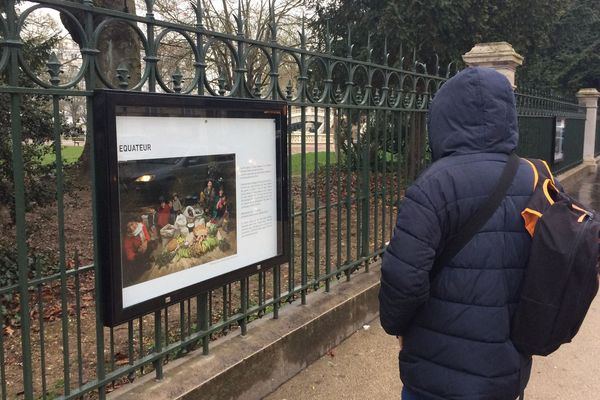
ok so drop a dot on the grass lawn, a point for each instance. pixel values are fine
(70, 154)
(310, 161)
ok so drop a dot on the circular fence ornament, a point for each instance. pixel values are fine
(177, 57)
(130, 55)
(74, 61)
(221, 62)
(289, 71)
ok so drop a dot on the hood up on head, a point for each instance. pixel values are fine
(473, 112)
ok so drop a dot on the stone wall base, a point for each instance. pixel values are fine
(273, 351)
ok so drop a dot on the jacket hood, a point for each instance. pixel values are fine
(473, 112)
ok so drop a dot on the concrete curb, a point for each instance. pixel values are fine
(273, 351)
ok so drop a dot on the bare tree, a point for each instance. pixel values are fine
(250, 18)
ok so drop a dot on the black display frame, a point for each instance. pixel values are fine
(106, 104)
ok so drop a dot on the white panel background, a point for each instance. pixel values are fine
(252, 141)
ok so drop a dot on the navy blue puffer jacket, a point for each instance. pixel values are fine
(456, 329)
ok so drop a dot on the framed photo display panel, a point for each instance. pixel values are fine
(191, 194)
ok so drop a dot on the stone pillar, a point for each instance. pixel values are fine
(498, 55)
(588, 98)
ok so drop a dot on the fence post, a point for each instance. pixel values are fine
(588, 98)
(497, 55)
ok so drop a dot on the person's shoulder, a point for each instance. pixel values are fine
(439, 169)
(457, 164)
(442, 179)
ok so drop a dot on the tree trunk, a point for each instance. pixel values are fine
(118, 45)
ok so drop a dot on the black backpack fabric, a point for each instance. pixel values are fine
(561, 279)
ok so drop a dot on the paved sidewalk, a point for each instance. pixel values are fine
(365, 367)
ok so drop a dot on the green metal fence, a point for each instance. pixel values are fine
(363, 121)
(536, 138)
(551, 128)
(357, 139)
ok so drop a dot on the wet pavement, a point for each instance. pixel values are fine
(586, 190)
(365, 366)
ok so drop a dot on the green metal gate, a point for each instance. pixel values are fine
(359, 139)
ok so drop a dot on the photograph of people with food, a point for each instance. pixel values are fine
(176, 213)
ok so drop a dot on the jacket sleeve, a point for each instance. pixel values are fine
(407, 262)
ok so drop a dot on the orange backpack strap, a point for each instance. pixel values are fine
(541, 170)
(543, 188)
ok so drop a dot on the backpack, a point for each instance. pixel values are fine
(561, 279)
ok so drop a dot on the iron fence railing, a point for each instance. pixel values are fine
(357, 138)
(551, 128)
(531, 103)
(363, 122)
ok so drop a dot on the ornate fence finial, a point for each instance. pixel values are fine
(239, 19)
(338, 94)
(54, 69)
(315, 93)
(401, 56)
(386, 55)
(257, 87)
(288, 90)
(328, 40)
(392, 95)
(302, 33)
(123, 75)
(150, 8)
(272, 21)
(350, 45)
(449, 69)
(369, 47)
(177, 79)
(221, 82)
(199, 14)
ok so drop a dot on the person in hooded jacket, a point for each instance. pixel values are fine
(455, 330)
